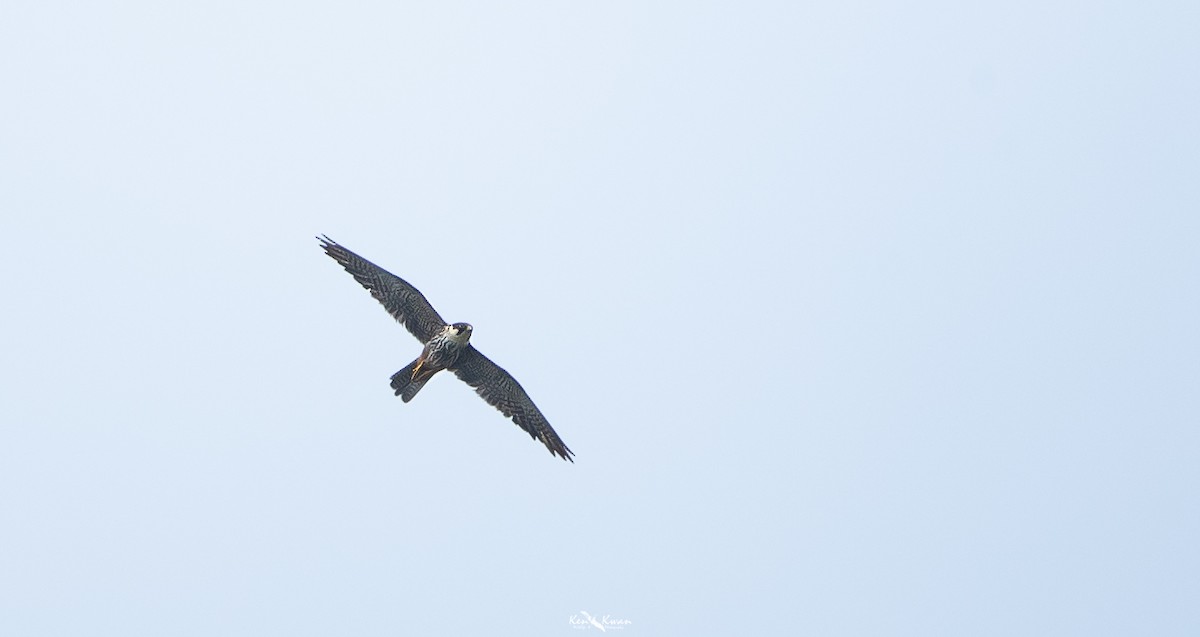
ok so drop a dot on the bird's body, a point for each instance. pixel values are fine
(442, 351)
(439, 353)
(446, 346)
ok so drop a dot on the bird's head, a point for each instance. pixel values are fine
(461, 331)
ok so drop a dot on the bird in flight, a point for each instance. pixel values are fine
(447, 346)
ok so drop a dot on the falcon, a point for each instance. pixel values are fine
(447, 347)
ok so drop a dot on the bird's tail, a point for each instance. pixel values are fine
(404, 385)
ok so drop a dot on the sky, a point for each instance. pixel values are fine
(861, 318)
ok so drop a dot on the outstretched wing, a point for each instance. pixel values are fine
(503, 392)
(399, 297)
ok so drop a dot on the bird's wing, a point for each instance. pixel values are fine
(399, 297)
(503, 392)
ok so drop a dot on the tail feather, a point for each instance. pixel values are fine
(404, 385)
(412, 390)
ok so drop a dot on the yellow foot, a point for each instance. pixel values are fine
(416, 370)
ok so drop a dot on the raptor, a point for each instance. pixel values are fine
(447, 347)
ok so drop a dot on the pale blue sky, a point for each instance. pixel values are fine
(861, 318)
